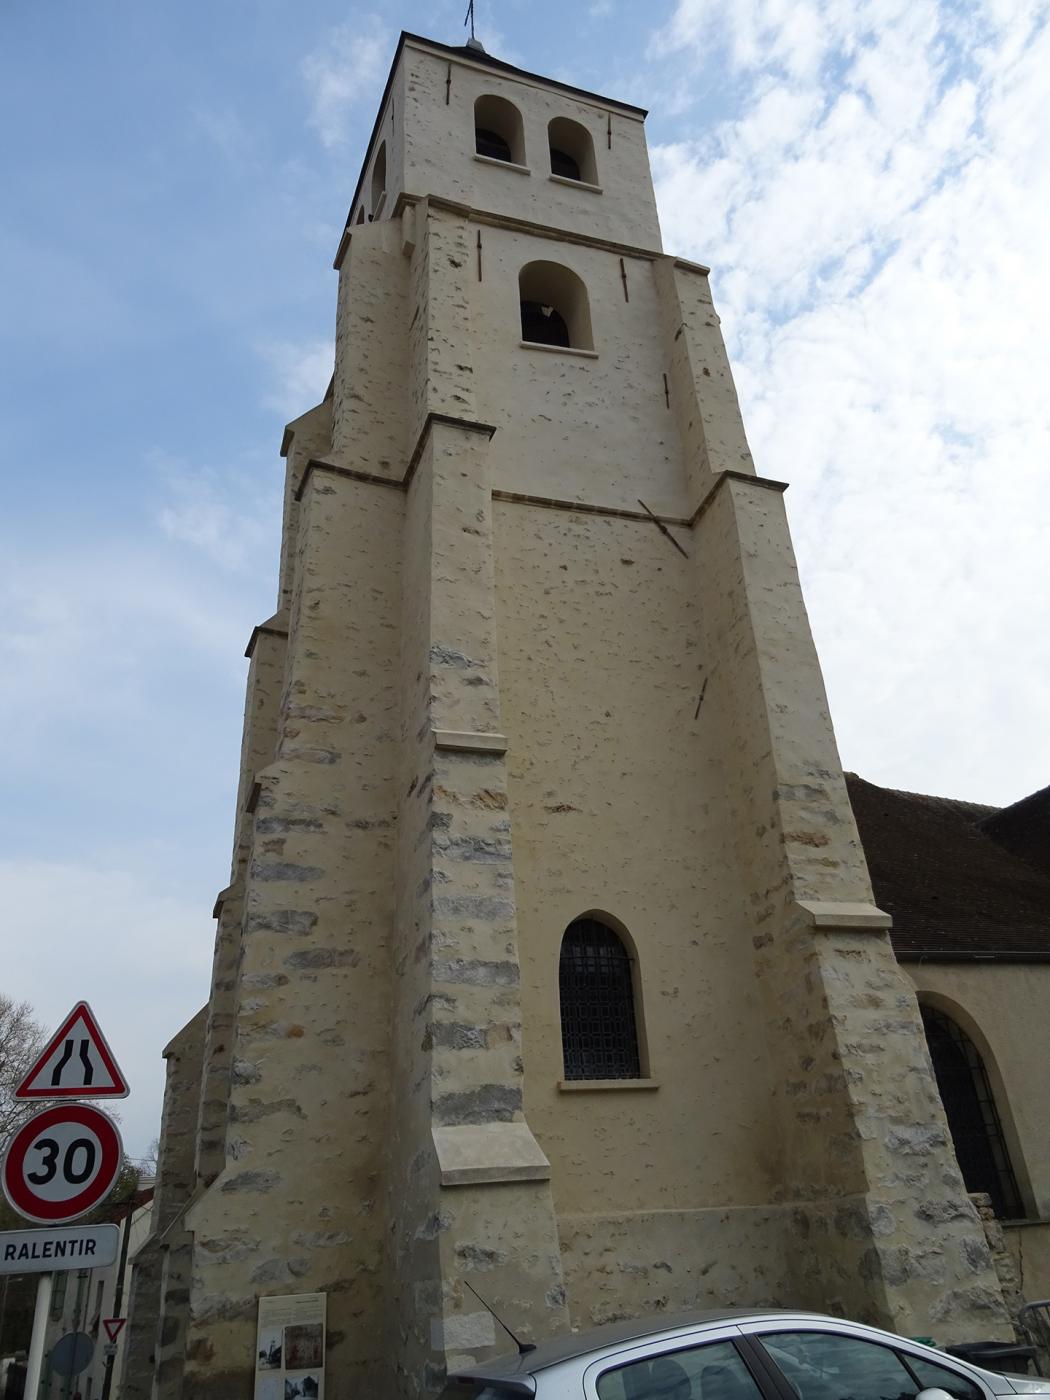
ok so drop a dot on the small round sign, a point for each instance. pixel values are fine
(61, 1163)
(72, 1354)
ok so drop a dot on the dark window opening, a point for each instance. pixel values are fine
(378, 180)
(973, 1118)
(563, 164)
(598, 1028)
(571, 151)
(498, 130)
(543, 325)
(492, 144)
(554, 308)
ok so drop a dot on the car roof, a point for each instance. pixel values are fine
(557, 1349)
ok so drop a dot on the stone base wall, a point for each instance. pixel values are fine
(140, 1344)
(623, 1266)
(1026, 1264)
(812, 1255)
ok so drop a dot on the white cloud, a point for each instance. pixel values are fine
(300, 372)
(346, 72)
(876, 213)
(117, 842)
(104, 633)
(232, 516)
(141, 955)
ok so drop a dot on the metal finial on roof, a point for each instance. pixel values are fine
(473, 42)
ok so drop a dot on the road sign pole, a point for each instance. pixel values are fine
(36, 1345)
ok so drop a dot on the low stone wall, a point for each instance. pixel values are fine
(622, 1266)
(1029, 1248)
(813, 1255)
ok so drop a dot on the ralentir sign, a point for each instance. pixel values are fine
(61, 1247)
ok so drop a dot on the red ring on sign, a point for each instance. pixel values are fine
(20, 1192)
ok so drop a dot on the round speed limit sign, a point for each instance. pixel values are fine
(62, 1163)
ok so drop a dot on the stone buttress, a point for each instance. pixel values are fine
(157, 1302)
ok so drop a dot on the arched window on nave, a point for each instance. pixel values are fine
(599, 1024)
(972, 1113)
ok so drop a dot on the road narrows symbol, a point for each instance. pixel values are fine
(76, 1063)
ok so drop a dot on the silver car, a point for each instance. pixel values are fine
(735, 1355)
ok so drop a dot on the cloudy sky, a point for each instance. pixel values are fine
(870, 181)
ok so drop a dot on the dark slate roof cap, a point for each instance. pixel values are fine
(1024, 828)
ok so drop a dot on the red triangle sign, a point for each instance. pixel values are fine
(113, 1326)
(76, 1063)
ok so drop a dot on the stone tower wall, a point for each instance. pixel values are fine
(427, 125)
(541, 651)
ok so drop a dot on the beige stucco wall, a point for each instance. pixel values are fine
(578, 428)
(1003, 1008)
(592, 694)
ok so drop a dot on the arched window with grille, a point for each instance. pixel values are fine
(973, 1117)
(599, 1025)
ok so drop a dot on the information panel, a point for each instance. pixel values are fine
(289, 1357)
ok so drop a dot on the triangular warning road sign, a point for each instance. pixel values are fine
(113, 1326)
(76, 1063)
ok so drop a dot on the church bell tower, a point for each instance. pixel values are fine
(549, 963)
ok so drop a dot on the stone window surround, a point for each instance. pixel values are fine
(559, 349)
(576, 184)
(576, 1086)
(504, 164)
(526, 170)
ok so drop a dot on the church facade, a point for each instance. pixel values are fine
(549, 970)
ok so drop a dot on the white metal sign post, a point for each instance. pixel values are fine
(34, 1361)
(60, 1164)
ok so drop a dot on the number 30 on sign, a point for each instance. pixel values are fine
(61, 1163)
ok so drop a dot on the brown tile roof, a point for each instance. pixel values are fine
(1024, 828)
(959, 878)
